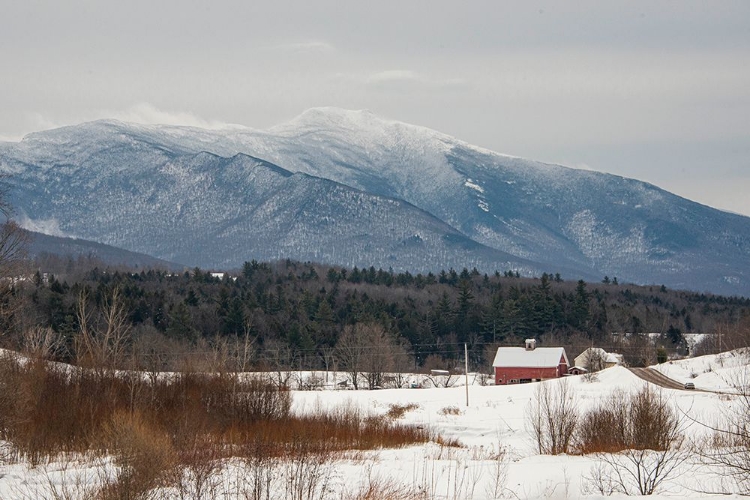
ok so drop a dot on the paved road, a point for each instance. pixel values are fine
(658, 378)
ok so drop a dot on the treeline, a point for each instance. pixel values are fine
(294, 315)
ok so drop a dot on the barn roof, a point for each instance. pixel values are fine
(541, 357)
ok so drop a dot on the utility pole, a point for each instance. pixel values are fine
(466, 371)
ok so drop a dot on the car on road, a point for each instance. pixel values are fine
(689, 385)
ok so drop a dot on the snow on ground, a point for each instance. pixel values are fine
(496, 417)
(493, 420)
(715, 372)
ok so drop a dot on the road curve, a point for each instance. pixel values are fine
(657, 378)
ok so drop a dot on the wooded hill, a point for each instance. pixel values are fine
(291, 315)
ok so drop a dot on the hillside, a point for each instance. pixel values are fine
(43, 247)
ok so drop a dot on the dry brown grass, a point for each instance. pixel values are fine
(144, 454)
(378, 488)
(72, 410)
(450, 410)
(396, 410)
(448, 442)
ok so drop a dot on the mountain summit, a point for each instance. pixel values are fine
(349, 187)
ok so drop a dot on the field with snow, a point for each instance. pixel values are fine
(494, 421)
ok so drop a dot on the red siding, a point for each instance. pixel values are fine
(504, 374)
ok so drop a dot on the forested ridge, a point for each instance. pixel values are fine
(288, 314)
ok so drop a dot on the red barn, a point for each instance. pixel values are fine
(518, 365)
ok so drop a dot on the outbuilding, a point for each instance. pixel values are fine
(519, 365)
(577, 370)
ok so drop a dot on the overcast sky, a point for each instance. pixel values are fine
(658, 91)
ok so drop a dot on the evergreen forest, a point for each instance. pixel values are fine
(304, 316)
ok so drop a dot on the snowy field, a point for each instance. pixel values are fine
(494, 420)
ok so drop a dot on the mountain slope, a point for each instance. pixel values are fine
(547, 213)
(577, 222)
(41, 245)
(209, 211)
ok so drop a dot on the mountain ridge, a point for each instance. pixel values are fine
(545, 217)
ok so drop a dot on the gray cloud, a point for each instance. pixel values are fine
(151, 115)
(305, 47)
(400, 79)
(628, 87)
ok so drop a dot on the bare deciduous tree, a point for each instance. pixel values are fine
(639, 350)
(350, 352)
(102, 341)
(13, 242)
(553, 416)
(728, 446)
(594, 361)
(367, 351)
(380, 346)
(726, 337)
(154, 352)
(328, 356)
(244, 347)
(41, 342)
(641, 471)
(402, 362)
(13, 238)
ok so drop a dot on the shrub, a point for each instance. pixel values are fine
(603, 428)
(144, 455)
(640, 421)
(637, 439)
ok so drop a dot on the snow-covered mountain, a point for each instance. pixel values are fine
(209, 211)
(349, 187)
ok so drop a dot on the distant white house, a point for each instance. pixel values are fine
(596, 358)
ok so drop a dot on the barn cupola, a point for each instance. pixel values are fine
(530, 344)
